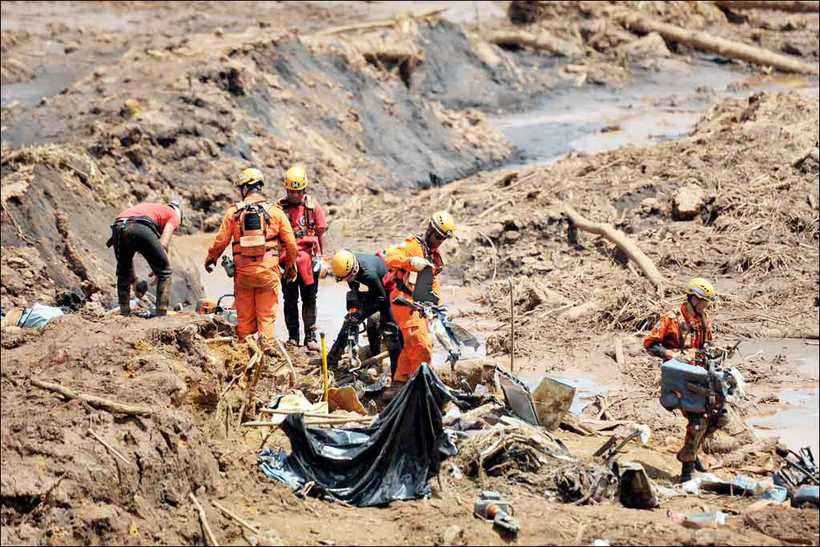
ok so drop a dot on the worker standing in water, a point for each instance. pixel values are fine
(307, 218)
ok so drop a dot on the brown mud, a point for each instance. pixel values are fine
(108, 103)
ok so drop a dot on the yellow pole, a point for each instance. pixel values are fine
(325, 382)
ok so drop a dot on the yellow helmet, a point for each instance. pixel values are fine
(443, 223)
(251, 175)
(296, 178)
(702, 289)
(344, 265)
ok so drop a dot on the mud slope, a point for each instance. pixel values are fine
(183, 120)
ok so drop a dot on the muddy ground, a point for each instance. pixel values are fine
(105, 104)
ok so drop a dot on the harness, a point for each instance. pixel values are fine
(253, 238)
(307, 226)
(405, 281)
(119, 226)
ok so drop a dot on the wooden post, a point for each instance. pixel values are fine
(512, 326)
(325, 380)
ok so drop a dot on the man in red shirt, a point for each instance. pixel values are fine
(309, 225)
(145, 229)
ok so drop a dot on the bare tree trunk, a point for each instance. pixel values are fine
(626, 245)
(539, 40)
(713, 44)
(97, 402)
(774, 5)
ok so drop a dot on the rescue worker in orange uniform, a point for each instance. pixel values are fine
(255, 229)
(404, 263)
(307, 218)
(678, 336)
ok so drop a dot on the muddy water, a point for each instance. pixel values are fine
(657, 106)
(797, 422)
(331, 300)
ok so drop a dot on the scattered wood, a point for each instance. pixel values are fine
(111, 449)
(498, 205)
(811, 6)
(203, 520)
(375, 359)
(381, 23)
(619, 351)
(97, 402)
(236, 518)
(713, 44)
(220, 339)
(582, 310)
(540, 39)
(620, 239)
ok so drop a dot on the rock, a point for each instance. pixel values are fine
(651, 205)
(651, 45)
(494, 230)
(452, 535)
(687, 202)
(511, 237)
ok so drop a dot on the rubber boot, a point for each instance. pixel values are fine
(310, 341)
(309, 322)
(163, 296)
(686, 470)
(124, 298)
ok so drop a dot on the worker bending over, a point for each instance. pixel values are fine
(145, 229)
(364, 275)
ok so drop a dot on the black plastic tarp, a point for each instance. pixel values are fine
(393, 459)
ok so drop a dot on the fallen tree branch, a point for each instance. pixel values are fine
(203, 520)
(541, 39)
(626, 245)
(97, 402)
(772, 5)
(713, 44)
(111, 449)
(375, 359)
(378, 24)
(239, 520)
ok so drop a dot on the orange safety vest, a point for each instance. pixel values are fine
(405, 280)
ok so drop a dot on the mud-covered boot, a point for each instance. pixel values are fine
(686, 470)
(163, 297)
(310, 341)
(124, 298)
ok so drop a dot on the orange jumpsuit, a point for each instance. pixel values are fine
(256, 280)
(680, 331)
(417, 344)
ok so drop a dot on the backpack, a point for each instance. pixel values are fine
(252, 221)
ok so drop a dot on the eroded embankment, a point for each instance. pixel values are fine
(183, 119)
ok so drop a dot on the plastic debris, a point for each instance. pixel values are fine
(491, 506)
(392, 459)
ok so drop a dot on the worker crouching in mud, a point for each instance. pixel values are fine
(307, 218)
(364, 275)
(145, 229)
(678, 336)
(255, 230)
(418, 256)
